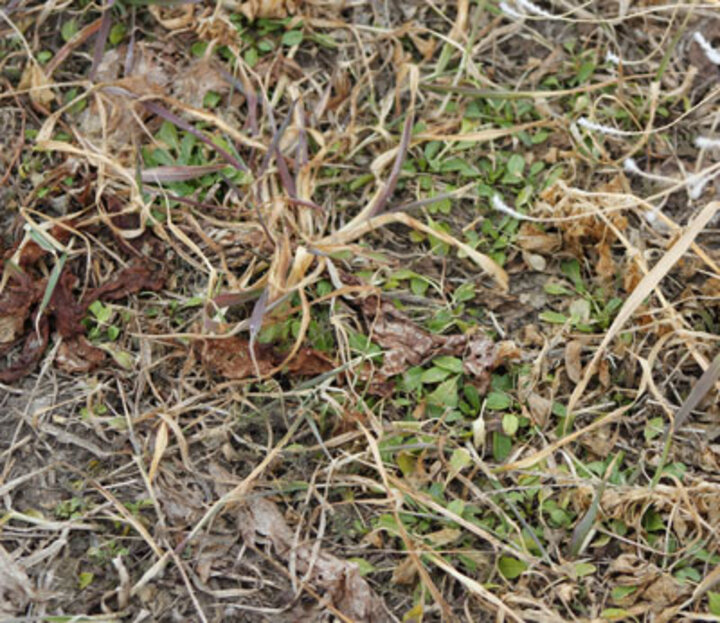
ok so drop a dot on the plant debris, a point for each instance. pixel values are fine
(359, 310)
(337, 581)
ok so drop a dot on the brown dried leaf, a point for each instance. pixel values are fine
(309, 362)
(408, 345)
(539, 408)
(32, 351)
(67, 311)
(338, 580)
(664, 591)
(273, 9)
(573, 363)
(230, 357)
(506, 351)
(194, 83)
(77, 355)
(15, 302)
(136, 277)
(10, 328)
(34, 78)
(405, 573)
(532, 238)
(605, 266)
(655, 588)
(632, 275)
(480, 359)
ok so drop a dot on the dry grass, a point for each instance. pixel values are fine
(359, 311)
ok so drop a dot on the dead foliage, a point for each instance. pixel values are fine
(231, 358)
(406, 344)
(20, 308)
(336, 582)
(440, 279)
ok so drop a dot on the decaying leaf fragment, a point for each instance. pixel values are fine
(21, 301)
(34, 79)
(654, 588)
(15, 302)
(273, 9)
(231, 359)
(408, 345)
(16, 588)
(76, 355)
(337, 580)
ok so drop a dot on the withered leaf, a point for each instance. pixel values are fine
(309, 362)
(532, 238)
(77, 355)
(480, 359)
(407, 344)
(22, 295)
(136, 277)
(67, 311)
(15, 303)
(573, 364)
(34, 78)
(405, 573)
(338, 580)
(35, 344)
(231, 359)
(605, 266)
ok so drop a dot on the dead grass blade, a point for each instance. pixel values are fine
(704, 385)
(396, 506)
(178, 173)
(698, 392)
(78, 39)
(346, 235)
(475, 587)
(239, 492)
(481, 136)
(648, 283)
(339, 581)
(550, 449)
(382, 199)
(161, 442)
(101, 38)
